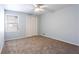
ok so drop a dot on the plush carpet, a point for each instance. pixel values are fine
(38, 45)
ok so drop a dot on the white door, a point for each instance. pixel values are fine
(1, 28)
(31, 26)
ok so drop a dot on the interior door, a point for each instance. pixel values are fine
(1, 28)
(31, 26)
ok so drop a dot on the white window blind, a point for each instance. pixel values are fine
(11, 23)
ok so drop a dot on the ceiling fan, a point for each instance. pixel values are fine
(39, 7)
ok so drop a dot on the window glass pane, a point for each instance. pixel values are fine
(11, 23)
(12, 19)
(12, 27)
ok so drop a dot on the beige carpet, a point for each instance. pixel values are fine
(38, 45)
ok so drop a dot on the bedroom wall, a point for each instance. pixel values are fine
(23, 25)
(62, 24)
(22, 29)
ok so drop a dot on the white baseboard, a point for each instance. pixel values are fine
(15, 38)
(20, 37)
(45, 36)
(60, 40)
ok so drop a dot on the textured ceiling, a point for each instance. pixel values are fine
(29, 8)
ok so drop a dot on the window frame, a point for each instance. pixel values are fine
(6, 23)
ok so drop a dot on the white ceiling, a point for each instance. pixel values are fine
(29, 8)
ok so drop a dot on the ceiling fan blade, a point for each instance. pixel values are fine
(39, 8)
(44, 6)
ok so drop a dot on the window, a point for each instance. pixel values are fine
(11, 23)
